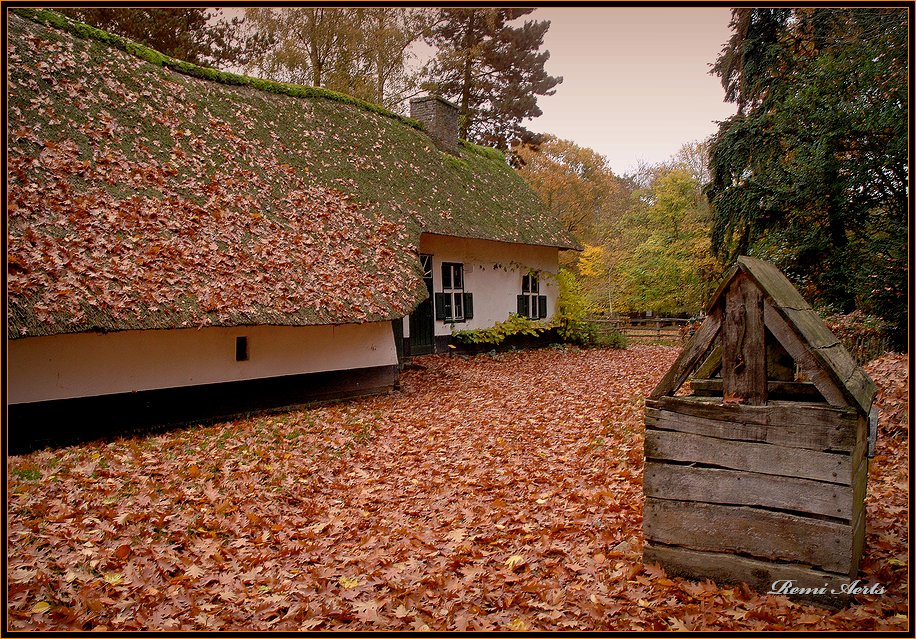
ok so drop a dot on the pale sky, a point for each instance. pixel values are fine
(636, 83)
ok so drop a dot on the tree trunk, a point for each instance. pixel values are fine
(465, 110)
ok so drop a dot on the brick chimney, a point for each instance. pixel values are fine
(440, 121)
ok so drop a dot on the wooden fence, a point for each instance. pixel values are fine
(653, 330)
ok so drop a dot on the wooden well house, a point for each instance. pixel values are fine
(756, 471)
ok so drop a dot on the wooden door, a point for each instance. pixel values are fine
(422, 339)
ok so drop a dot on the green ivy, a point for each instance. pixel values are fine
(497, 334)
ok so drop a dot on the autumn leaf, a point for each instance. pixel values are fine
(348, 582)
(401, 531)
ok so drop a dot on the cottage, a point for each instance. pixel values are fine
(186, 244)
(758, 474)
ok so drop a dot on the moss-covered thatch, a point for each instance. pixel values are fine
(150, 194)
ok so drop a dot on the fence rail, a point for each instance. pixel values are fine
(669, 330)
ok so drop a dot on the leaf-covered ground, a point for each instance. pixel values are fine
(495, 492)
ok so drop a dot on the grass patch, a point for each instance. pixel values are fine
(28, 473)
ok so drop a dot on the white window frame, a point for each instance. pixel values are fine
(531, 287)
(455, 293)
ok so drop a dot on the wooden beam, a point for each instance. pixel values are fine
(711, 366)
(742, 488)
(809, 365)
(758, 457)
(811, 426)
(690, 356)
(759, 574)
(743, 344)
(805, 391)
(762, 534)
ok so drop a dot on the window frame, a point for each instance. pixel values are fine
(452, 292)
(531, 287)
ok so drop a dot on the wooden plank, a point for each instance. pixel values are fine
(808, 364)
(773, 282)
(743, 455)
(723, 429)
(743, 345)
(805, 391)
(859, 487)
(759, 533)
(712, 365)
(812, 426)
(759, 574)
(690, 355)
(858, 543)
(743, 488)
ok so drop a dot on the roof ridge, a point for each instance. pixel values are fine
(87, 32)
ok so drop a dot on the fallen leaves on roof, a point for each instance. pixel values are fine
(139, 197)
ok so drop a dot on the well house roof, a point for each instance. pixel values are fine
(818, 352)
(148, 193)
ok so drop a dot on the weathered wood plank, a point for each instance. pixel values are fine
(804, 391)
(859, 487)
(812, 426)
(743, 345)
(810, 366)
(711, 365)
(760, 533)
(690, 355)
(743, 488)
(858, 543)
(760, 575)
(726, 430)
(773, 282)
(763, 458)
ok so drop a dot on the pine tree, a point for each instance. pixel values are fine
(492, 71)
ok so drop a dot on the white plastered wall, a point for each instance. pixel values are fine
(89, 364)
(493, 274)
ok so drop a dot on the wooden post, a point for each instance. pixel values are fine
(744, 373)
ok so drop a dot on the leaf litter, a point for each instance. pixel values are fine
(496, 492)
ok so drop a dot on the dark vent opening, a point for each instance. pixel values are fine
(241, 349)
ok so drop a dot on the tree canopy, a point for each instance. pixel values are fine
(360, 51)
(494, 72)
(812, 171)
(191, 34)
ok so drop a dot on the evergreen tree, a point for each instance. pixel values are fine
(492, 71)
(812, 171)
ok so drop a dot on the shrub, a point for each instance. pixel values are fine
(866, 337)
(515, 325)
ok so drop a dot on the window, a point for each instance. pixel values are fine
(453, 304)
(531, 303)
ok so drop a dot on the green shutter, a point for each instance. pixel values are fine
(440, 306)
(468, 306)
(523, 305)
(542, 306)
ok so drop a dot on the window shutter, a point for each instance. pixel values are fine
(440, 306)
(542, 306)
(468, 306)
(523, 305)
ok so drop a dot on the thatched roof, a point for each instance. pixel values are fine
(148, 193)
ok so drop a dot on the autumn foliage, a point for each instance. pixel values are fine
(490, 493)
